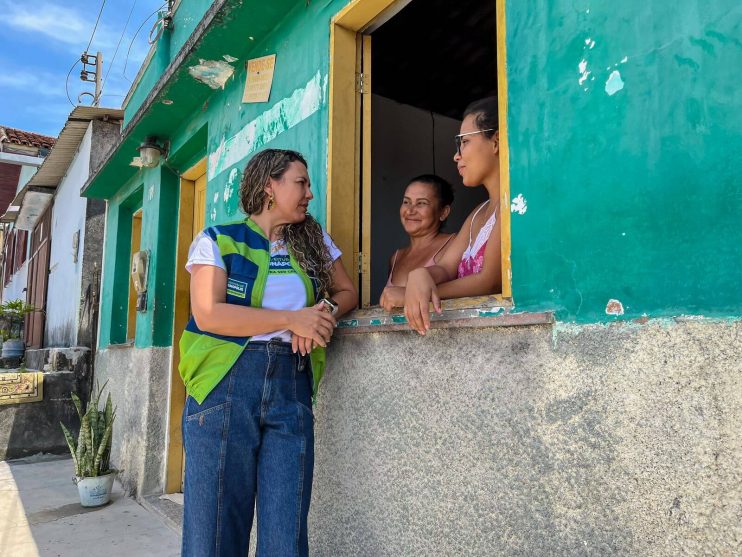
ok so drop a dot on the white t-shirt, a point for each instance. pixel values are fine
(284, 290)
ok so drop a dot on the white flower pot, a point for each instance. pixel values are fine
(95, 492)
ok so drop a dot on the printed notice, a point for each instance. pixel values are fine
(259, 79)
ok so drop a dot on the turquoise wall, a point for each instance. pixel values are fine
(636, 195)
(625, 131)
(296, 116)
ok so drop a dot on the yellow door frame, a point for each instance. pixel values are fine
(186, 230)
(348, 49)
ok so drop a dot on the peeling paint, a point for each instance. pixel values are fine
(231, 201)
(614, 307)
(614, 83)
(151, 192)
(216, 196)
(584, 73)
(282, 116)
(213, 214)
(589, 43)
(624, 59)
(519, 205)
(229, 58)
(213, 73)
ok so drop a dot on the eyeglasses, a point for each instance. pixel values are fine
(457, 138)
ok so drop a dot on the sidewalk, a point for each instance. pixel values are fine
(40, 515)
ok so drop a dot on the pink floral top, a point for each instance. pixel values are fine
(472, 260)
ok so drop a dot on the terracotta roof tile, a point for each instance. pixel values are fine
(20, 137)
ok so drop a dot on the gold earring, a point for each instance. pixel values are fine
(270, 202)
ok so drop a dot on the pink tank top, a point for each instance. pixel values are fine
(472, 260)
(429, 263)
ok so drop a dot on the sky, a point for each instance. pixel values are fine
(41, 41)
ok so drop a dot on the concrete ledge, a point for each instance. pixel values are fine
(475, 312)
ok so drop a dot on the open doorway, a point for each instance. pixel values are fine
(428, 62)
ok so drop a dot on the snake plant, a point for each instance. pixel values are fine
(91, 452)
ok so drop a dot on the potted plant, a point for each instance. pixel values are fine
(91, 452)
(12, 314)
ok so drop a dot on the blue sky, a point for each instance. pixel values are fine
(42, 39)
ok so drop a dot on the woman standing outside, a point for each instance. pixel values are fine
(265, 295)
(471, 264)
(425, 207)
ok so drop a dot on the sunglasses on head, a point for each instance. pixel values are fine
(458, 138)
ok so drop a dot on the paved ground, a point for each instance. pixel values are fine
(40, 515)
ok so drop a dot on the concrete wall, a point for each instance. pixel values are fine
(139, 382)
(71, 272)
(33, 427)
(594, 440)
(18, 283)
(65, 263)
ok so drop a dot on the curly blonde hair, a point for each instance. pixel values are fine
(305, 240)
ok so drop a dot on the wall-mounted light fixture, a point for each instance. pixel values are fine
(150, 152)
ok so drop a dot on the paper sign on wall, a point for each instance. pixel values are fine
(259, 79)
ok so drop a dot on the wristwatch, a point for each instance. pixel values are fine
(330, 305)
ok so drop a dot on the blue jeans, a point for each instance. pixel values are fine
(253, 437)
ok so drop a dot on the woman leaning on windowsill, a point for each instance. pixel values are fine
(470, 265)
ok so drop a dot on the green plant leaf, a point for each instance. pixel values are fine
(73, 447)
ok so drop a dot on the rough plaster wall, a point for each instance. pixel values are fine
(599, 440)
(68, 218)
(18, 283)
(139, 381)
(105, 134)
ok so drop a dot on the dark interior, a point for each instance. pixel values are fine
(437, 55)
(429, 62)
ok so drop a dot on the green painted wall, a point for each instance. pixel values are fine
(634, 196)
(298, 117)
(629, 185)
(187, 15)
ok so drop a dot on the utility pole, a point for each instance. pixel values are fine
(92, 76)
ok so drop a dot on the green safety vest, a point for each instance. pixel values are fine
(205, 358)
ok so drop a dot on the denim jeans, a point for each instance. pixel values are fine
(251, 444)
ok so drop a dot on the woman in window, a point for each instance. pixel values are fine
(471, 264)
(424, 210)
(251, 357)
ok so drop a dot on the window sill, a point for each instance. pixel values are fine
(478, 312)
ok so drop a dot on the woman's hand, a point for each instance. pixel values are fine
(421, 290)
(311, 327)
(302, 345)
(392, 297)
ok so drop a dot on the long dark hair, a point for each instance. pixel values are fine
(305, 240)
(485, 111)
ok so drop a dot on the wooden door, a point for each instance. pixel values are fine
(38, 278)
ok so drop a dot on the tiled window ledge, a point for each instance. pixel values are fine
(483, 311)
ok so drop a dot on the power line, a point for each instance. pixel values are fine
(100, 12)
(126, 62)
(115, 52)
(67, 82)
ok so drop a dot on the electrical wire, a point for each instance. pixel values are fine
(100, 12)
(126, 61)
(67, 82)
(92, 35)
(115, 52)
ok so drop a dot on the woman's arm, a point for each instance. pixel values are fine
(421, 283)
(213, 314)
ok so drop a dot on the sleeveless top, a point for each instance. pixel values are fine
(429, 263)
(472, 260)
